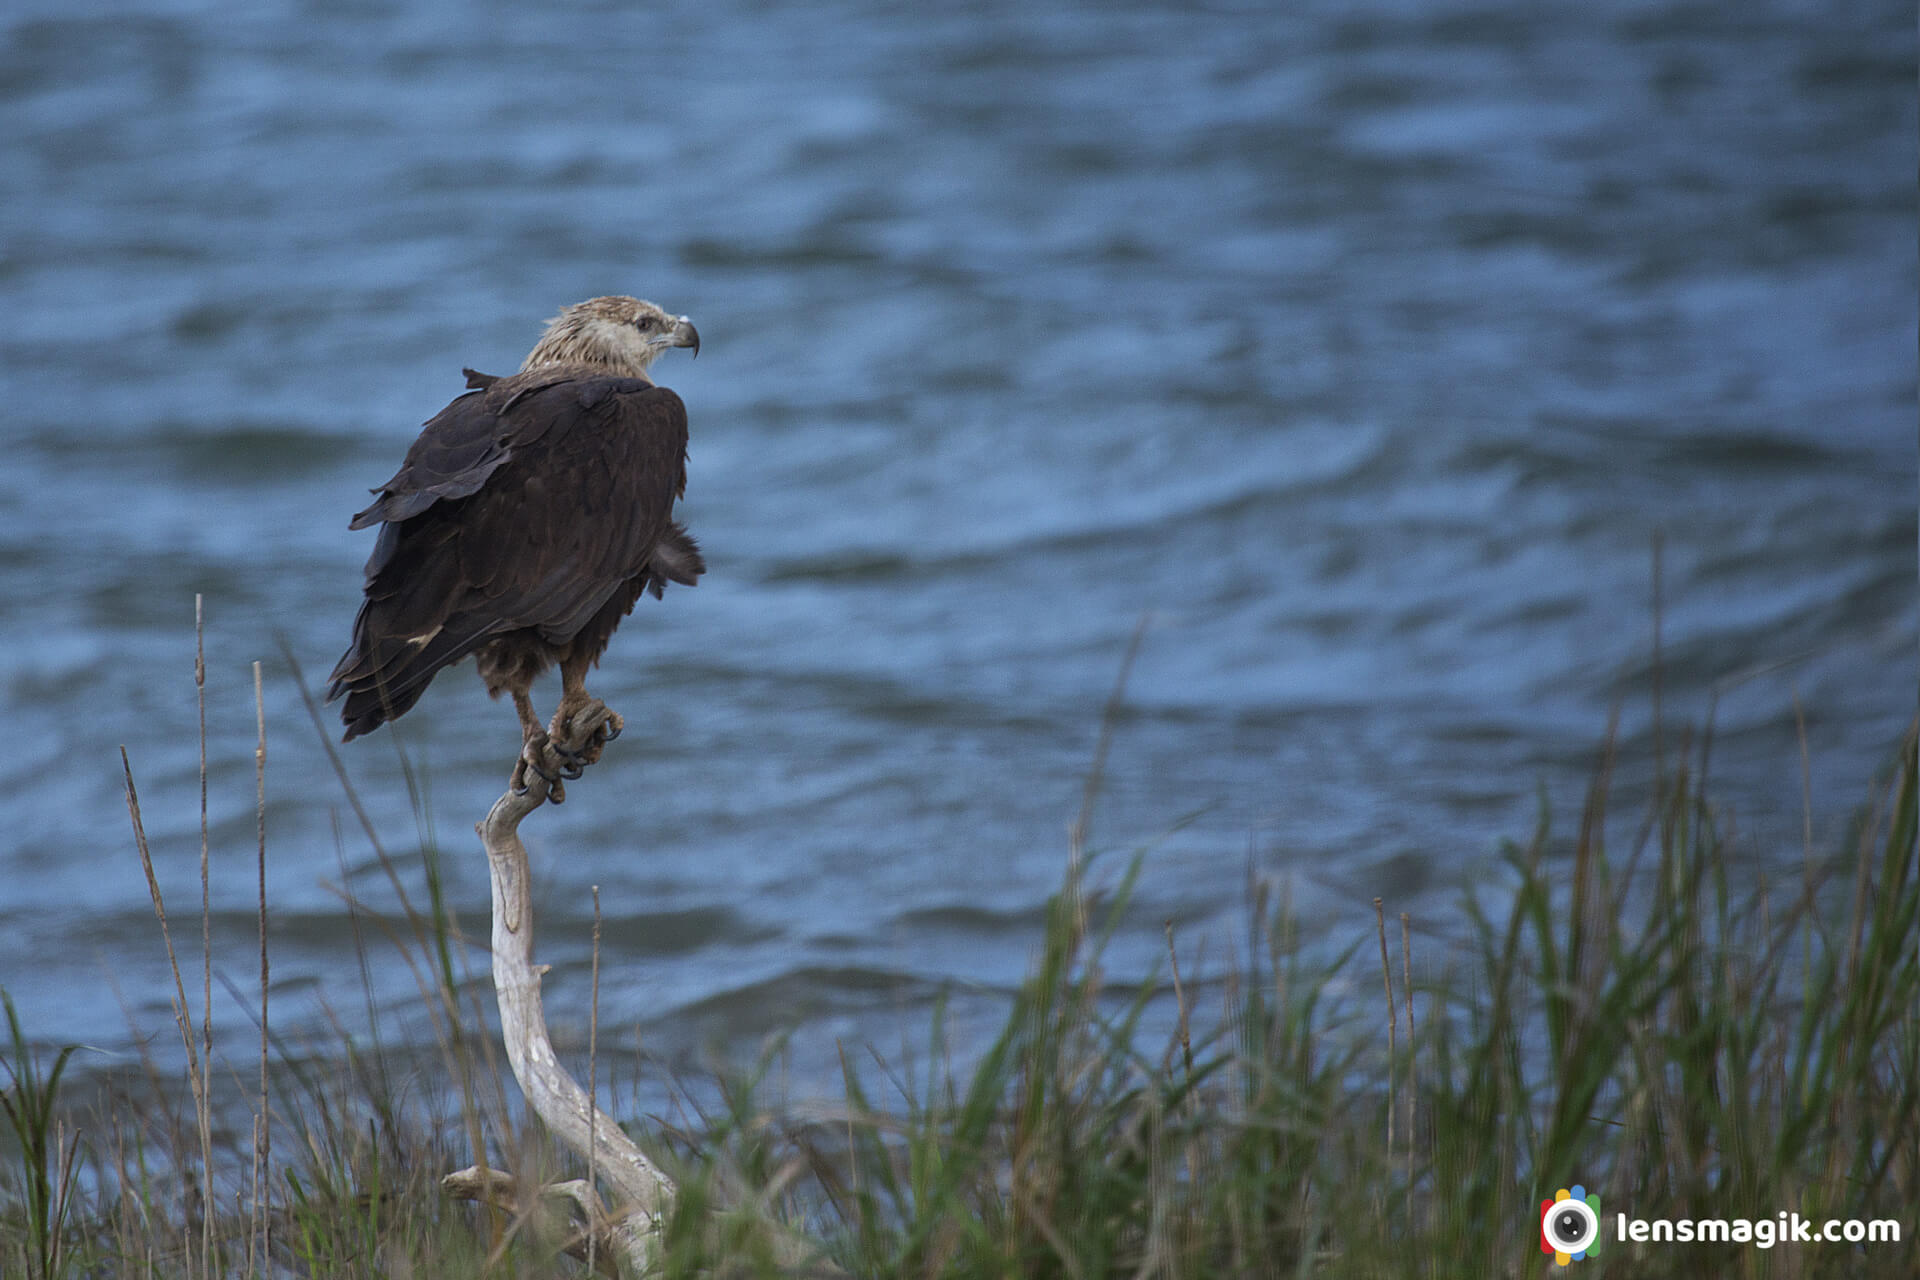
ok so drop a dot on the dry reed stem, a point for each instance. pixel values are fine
(263, 1135)
(1809, 877)
(414, 918)
(1180, 1000)
(1413, 1056)
(1393, 1020)
(203, 1102)
(1659, 610)
(182, 1012)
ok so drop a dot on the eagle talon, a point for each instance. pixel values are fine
(572, 763)
(531, 752)
(585, 730)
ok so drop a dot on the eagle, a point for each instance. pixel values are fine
(529, 517)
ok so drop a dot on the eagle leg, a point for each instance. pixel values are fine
(582, 725)
(537, 752)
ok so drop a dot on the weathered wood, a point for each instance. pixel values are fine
(642, 1192)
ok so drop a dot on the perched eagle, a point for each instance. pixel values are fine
(528, 518)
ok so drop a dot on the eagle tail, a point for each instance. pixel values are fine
(675, 558)
(382, 676)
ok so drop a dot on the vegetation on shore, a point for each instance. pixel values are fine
(1658, 1023)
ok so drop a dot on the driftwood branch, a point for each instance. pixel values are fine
(642, 1192)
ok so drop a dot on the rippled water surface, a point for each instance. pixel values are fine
(1367, 348)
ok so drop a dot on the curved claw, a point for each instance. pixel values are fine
(530, 760)
(572, 763)
(519, 785)
(611, 728)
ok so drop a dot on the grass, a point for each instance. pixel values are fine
(1658, 1023)
(1689, 1048)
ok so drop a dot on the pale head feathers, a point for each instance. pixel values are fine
(619, 335)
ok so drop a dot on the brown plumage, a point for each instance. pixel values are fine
(529, 516)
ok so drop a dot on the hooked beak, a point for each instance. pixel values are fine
(685, 335)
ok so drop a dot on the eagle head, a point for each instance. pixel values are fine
(619, 334)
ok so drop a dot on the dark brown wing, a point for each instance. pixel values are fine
(516, 509)
(453, 455)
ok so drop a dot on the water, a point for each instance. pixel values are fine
(1365, 348)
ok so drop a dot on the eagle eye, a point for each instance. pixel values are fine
(644, 323)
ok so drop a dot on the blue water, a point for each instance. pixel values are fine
(1366, 350)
